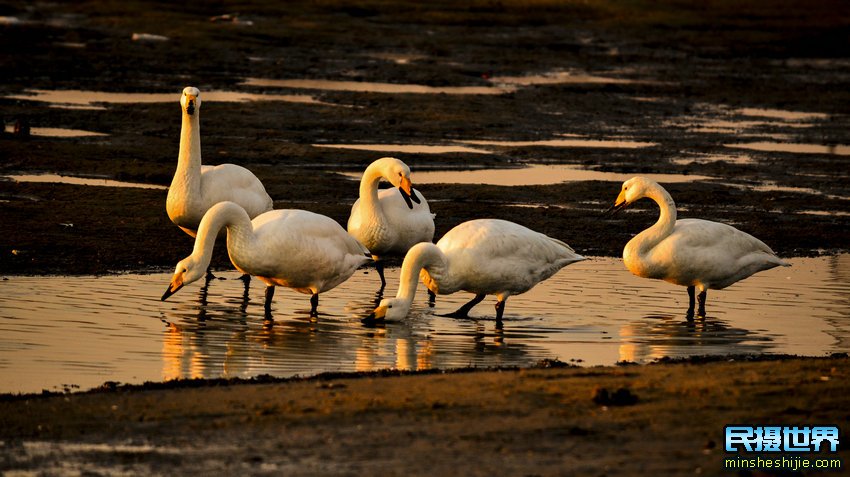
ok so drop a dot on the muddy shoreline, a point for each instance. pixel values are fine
(519, 422)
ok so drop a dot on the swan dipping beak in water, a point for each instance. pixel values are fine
(693, 253)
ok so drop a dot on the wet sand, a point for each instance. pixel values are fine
(541, 421)
(684, 69)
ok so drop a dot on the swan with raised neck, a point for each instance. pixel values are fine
(389, 221)
(196, 187)
(695, 253)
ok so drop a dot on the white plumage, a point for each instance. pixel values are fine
(690, 252)
(485, 257)
(307, 252)
(195, 188)
(388, 222)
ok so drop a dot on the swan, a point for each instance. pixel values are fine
(389, 222)
(483, 256)
(307, 252)
(693, 253)
(196, 188)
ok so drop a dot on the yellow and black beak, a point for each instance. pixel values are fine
(620, 204)
(406, 189)
(190, 104)
(176, 284)
(378, 315)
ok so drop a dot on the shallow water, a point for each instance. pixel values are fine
(74, 180)
(536, 175)
(58, 332)
(80, 99)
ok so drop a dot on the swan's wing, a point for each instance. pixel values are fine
(504, 256)
(312, 250)
(236, 184)
(712, 253)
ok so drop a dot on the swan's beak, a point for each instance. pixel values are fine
(406, 189)
(190, 104)
(380, 313)
(620, 204)
(176, 284)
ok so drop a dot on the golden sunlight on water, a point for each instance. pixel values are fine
(60, 331)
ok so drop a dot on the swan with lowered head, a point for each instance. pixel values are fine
(485, 257)
(693, 253)
(195, 187)
(307, 252)
(389, 222)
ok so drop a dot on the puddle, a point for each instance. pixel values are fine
(560, 77)
(62, 331)
(782, 114)
(796, 148)
(566, 142)
(78, 99)
(372, 87)
(697, 158)
(88, 181)
(397, 58)
(408, 148)
(537, 175)
(770, 186)
(57, 132)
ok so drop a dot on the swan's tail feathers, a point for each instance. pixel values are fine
(433, 216)
(784, 263)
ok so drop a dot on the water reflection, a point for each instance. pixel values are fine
(796, 148)
(87, 330)
(57, 132)
(658, 336)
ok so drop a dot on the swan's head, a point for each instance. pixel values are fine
(398, 174)
(187, 271)
(392, 309)
(191, 100)
(632, 190)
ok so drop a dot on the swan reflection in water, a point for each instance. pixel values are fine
(217, 336)
(660, 336)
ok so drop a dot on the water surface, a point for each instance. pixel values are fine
(56, 331)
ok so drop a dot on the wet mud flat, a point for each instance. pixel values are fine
(550, 420)
(694, 82)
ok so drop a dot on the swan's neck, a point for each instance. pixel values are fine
(188, 174)
(240, 232)
(422, 255)
(369, 194)
(649, 238)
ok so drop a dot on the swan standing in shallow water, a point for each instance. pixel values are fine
(389, 222)
(307, 252)
(195, 188)
(693, 253)
(485, 257)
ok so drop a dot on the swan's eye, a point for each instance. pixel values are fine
(389, 306)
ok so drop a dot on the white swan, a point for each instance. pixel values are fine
(196, 188)
(389, 222)
(485, 257)
(693, 253)
(307, 252)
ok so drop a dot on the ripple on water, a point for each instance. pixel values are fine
(86, 330)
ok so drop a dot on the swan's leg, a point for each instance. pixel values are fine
(269, 296)
(209, 277)
(691, 291)
(314, 304)
(701, 299)
(246, 279)
(379, 266)
(463, 312)
(500, 309)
